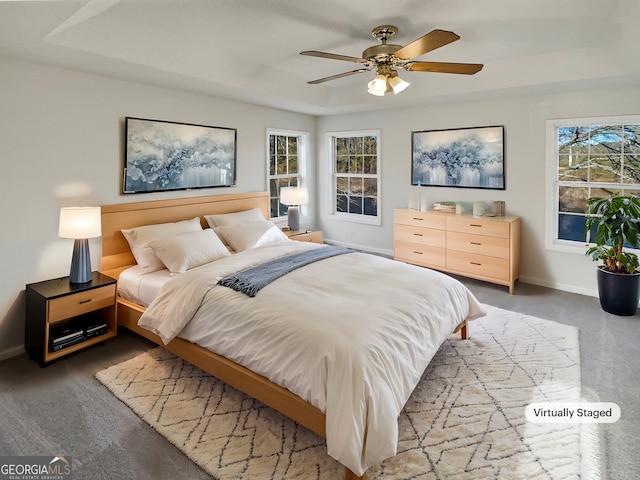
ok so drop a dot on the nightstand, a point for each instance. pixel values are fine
(305, 235)
(63, 317)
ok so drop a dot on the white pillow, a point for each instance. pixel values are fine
(224, 219)
(188, 250)
(250, 235)
(140, 237)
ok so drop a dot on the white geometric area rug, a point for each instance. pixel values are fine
(465, 420)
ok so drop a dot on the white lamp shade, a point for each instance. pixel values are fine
(294, 195)
(397, 84)
(80, 222)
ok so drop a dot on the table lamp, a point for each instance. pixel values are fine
(80, 223)
(294, 197)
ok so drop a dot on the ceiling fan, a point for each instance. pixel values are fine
(385, 58)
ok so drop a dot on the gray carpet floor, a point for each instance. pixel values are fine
(63, 410)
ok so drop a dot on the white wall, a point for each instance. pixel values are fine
(524, 119)
(61, 144)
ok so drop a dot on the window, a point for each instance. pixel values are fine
(355, 159)
(591, 158)
(286, 161)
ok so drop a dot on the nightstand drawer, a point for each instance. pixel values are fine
(81, 302)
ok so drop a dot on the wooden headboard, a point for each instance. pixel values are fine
(116, 255)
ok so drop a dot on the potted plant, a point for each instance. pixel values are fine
(617, 222)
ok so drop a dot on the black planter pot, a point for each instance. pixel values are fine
(619, 293)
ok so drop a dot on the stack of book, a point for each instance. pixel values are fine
(445, 207)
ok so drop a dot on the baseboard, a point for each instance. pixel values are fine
(11, 352)
(559, 286)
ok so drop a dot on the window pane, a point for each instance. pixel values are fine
(573, 140)
(293, 145)
(274, 206)
(606, 139)
(571, 227)
(342, 203)
(281, 145)
(293, 164)
(281, 165)
(342, 185)
(355, 205)
(573, 168)
(370, 165)
(370, 206)
(631, 139)
(631, 169)
(571, 199)
(272, 145)
(272, 165)
(342, 146)
(355, 164)
(370, 146)
(342, 164)
(371, 187)
(355, 186)
(355, 145)
(605, 169)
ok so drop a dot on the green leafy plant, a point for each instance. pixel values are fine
(617, 222)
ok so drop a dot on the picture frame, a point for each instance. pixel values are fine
(471, 157)
(162, 156)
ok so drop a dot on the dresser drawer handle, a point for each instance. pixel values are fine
(418, 218)
(417, 235)
(475, 225)
(84, 301)
(475, 263)
(417, 253)
(475, 243)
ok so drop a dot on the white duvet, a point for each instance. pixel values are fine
(350, 334)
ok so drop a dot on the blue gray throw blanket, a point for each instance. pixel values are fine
(253, 279)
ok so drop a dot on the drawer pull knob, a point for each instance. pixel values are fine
(417, 253)
(475, 243)
(85, 301)
(475, 263)
(417, 234)
(475, 225)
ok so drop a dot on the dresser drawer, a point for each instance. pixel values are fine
(478, 226)
(420, 254)
(478, 244)
(72, 305)
(422, 236)
(420, 219)
(479, 265)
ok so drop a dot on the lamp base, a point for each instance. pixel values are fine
(293, 215)
(80, 262)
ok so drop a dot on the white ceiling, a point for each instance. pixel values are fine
(248, 50)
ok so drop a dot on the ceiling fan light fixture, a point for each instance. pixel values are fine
(378, 85)
(397, 84)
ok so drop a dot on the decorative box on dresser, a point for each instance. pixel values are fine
(485, 248)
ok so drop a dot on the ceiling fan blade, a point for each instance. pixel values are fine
(445, 67)
(340, 75)
(426, 43)
(333, 56)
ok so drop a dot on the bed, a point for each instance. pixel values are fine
(338, 389)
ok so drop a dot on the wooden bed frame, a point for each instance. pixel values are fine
(117, 256)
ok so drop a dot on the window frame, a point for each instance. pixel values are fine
(330, 141)
(553, 183)
(303, 159)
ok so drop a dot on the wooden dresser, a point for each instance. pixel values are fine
(485, 248)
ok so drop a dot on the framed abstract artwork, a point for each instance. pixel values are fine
(463, 157)
(161, 156)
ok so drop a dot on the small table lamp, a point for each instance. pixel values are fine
(294, 197)
(80, 223)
